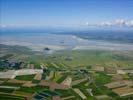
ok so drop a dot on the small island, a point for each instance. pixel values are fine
(47, 49)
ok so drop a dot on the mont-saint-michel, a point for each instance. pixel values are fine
(66, 50)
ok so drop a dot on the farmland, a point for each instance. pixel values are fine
(68, 75)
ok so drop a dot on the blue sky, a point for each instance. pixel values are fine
(69, 13)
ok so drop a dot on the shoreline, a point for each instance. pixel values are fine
(62, 42)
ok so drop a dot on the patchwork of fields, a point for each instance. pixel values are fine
(67, 75)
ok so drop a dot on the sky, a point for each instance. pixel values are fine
(66, 13)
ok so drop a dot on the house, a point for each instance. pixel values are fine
(10, 64)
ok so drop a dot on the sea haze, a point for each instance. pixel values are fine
(66, 40)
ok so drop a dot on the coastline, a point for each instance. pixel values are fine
(62, 42)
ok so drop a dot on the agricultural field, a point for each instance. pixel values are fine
(68, 75)
(66, 49)
(84, 58)
(10, 97)
(69, 58)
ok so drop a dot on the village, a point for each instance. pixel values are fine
(54, 81)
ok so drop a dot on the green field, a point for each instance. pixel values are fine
(75, 64)
(83, 58)
(32, 89)
(10, 97)
(79, 58)
(25, 77)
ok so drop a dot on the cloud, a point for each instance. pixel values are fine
(130, 23)
(3, 26)
(118, 23)
(106, 24)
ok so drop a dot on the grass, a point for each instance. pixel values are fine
(61, 79)
(36, 81)
(64, 93)
(6, 56)
(11, 84)
(10, 97)
(87, 94)
(25, 77)
(5, 90)
(32, 89)
(86, 58)
(56, 76)
(80, 57)
(101, 78)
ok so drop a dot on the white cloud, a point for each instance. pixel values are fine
(118, 23)
(130, 23)
(3, 26)
(106, 24)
